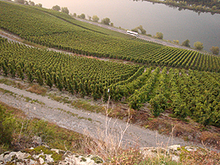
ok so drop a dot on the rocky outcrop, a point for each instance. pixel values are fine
(44, 155)
(173, 151)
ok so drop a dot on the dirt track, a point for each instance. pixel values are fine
(88, 123)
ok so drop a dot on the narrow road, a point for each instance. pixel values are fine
(143, 37)
(92, 124)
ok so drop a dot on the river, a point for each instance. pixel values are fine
(128, 14)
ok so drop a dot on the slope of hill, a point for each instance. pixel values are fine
(182, 93)
(54, 29)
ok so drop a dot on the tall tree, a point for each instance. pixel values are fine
(39, 5)
(82, 16)
(198, 45)
(65, 10)
(159, 35)
(95, 18)
(105, 21)
(215, 50)
(186, 43)
(57, 8)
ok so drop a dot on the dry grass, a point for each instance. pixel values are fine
(87, 106)
(37, 89)
(110, 147)
(210, 138)
(200, 157)
(188, 129)
(15, 111)
(8, 81)
(51, 134)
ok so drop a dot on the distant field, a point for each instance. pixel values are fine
(59, 30)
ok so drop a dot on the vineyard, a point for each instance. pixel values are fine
(57, 30)
(182, 82)
(75, 74)
(183, 93)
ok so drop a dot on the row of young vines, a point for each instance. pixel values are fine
(52, 31)
(194, 94)
(75, 74)
(184, 93)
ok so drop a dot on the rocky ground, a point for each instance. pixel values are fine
(93, 124)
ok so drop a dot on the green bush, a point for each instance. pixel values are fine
(158, 104)
(7, 124)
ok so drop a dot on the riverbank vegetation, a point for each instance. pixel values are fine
(212, 6)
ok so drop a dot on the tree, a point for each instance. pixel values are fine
(135, 30)
(57, 8)
(19, 1)
(95, 18)
(7, 125)
(39, 5)
(186, 43)
(65, 10)
(215, 50)
(139, 28)
(31, 3)
(26, 2)
(105, 21)
(176, 41)
(82, 16)
(142, 29)
(159, 35)
(198, 45)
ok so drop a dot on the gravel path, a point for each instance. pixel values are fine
(88, 123)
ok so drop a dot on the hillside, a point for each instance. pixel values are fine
(57, 30)
(164, 81)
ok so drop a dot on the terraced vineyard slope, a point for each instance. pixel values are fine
(58, 30)
(183, 93)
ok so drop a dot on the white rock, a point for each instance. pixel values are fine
(48, 158)
(30, 162)
(191, 148)
(41, 160)
(175, 158)
(1, 157)
(21, 155)
(37, 140)
(56, 150)
(8, 157)
(174, 147)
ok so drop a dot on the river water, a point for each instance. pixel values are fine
(128, 14)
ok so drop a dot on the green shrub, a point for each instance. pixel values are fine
(7, 124)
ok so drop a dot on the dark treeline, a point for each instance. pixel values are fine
(212, 6)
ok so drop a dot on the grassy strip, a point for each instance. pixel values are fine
(12, 83)
(51, 134)
(56, 137)
(188, 130)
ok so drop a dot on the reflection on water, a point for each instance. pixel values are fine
(174, 24)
